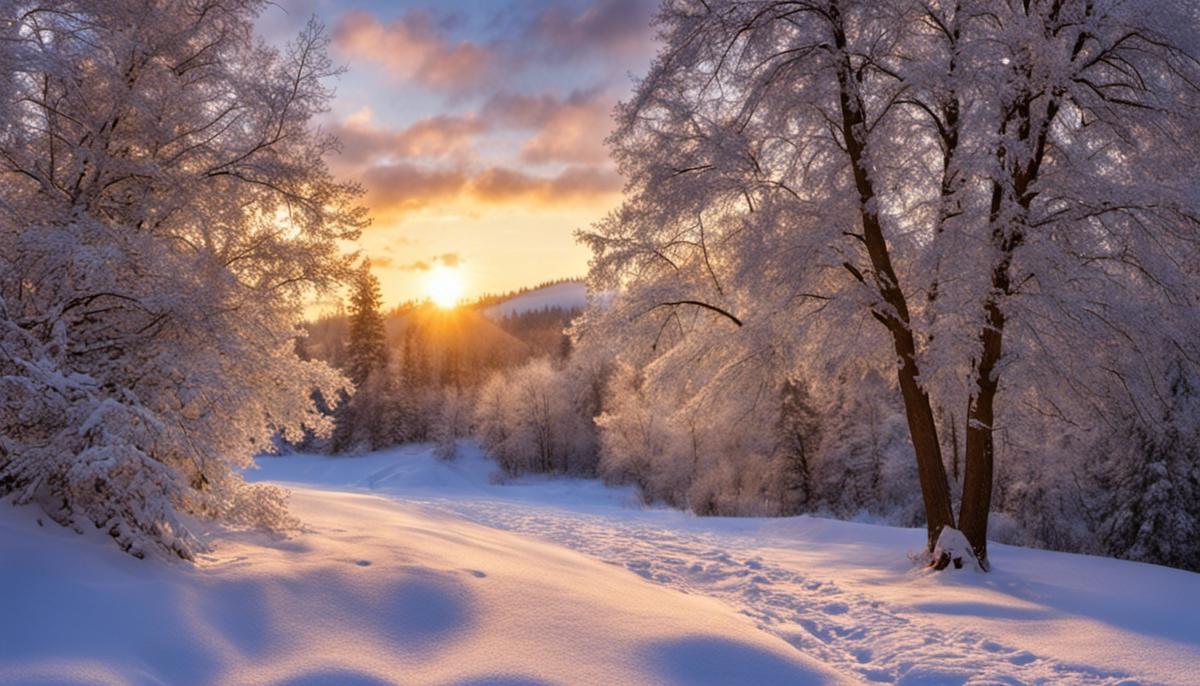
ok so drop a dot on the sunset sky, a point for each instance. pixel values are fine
(477, 128)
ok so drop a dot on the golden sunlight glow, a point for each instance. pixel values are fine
(444, 286)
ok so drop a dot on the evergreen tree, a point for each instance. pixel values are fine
(367, 347)
(799, 435)
(1149, 487)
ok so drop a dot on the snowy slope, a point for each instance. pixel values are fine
(842, 592)
(373, 592)
(563, 296)
(416, 571)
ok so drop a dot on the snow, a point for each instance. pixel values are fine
(413, 570)
(375, 591)
(564, 296)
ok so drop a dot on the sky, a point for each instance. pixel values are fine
(477, 129)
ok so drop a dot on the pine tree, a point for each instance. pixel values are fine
(799, 435)
(1149, 487)
(367, 347)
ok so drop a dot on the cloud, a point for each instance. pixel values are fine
(363, 142)
(618, 27)
(574, 133)
(380, 261)
(570, 129)
(500, 184)
(399, 189)
(450, 259)
(407, 187)
(414, 47)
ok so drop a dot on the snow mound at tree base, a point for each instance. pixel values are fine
(372, 592)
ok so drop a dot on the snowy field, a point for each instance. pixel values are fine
(415, 571)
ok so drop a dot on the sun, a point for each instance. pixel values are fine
(444, 286)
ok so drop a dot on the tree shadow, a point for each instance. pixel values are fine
(502, 680)
(336, 677)
(715, 661)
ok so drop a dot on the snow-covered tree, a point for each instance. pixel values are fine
(373, 417)
(164, 210)
(452, 421)
(864, 463)
(983, 195)
(539, 418)
(1147, 501)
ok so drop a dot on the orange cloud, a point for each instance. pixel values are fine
(398, 189)
(414, 48)
(450, 259)
(381, 261)
(364, 143)
(408, 187)
(499, 184)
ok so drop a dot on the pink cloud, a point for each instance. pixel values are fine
(414, 48)
(620, 27)
(568, 130)
(364, 142)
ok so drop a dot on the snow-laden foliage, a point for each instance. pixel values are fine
(743, 452)
(539, 417)
(163, 212)
(865, 461)
(1147, 501)
(993, 202)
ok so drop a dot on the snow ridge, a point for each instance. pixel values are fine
(563, 296)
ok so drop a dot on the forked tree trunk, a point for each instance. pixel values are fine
(894, 315)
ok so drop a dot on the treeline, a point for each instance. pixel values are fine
(417, 368)
(840, 448)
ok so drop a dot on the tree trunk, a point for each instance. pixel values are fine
(895, 316)
(1007, 234)
(977, 479)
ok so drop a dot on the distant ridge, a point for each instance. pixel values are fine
(564, 295)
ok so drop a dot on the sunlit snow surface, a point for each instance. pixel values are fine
(403, 576)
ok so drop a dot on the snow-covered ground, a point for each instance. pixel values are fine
(564, 296)
(414, 571)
